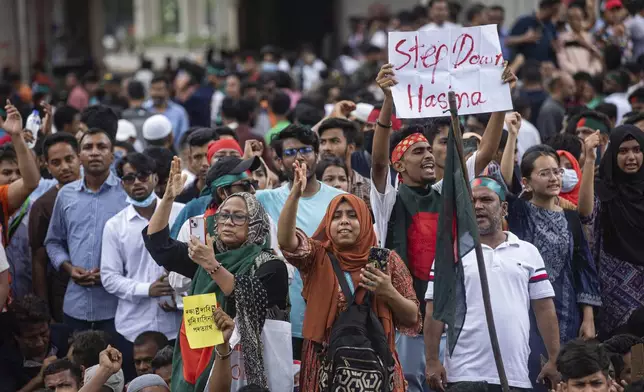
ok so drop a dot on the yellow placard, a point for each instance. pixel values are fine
(199, 321)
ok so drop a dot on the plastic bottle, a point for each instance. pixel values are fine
(33, 125)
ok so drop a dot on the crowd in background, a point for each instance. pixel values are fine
(294, 168)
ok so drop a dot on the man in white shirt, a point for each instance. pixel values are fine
(145, 298)
(406, 219)
(438, 16)
(518, 281)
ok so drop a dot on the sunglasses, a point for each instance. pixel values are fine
(303, 151)
(129, 179)
(236, 219)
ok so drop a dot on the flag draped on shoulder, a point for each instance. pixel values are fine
(456, 237)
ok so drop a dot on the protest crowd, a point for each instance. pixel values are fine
(261, 222)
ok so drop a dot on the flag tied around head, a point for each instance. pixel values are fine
(456, 238)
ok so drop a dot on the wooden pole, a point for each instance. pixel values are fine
(480, 261)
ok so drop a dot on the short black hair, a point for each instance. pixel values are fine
(532, 154)
(183, 141)
(87, 346)
(163, 358)
(497, 7)
(151, 336)
(548, 3)
(566, 142)
(252, 388)
(96, 131)
(159, 78)
(607, 109)
(219, 131)
(103, 117)
(531, 72)
(27, 310)
(64, 115)
(348, 128)
(8, 153)
(59, 137)
(136, 90)
(62, 365)
(141, 162)
(582, 76)
(432, 2)
(474, 10)
(281, 103)
(229, 108)
(308, 115)
(579, 359)
(201, 137)
(245, 109)
(329, 162)
(89, 77)
(303, 134)
(163, 158)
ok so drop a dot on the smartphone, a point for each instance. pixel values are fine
(198, 228)
(378, 257)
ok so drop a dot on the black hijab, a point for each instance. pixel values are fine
(622, 200)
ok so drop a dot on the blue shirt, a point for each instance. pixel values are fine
(310, 212)
(177, 116)
(542, 50)
(76, 235)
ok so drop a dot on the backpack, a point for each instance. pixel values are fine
(357, 357)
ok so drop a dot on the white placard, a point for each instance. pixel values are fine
(428, 64)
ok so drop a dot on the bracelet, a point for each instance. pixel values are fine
(225, 356)
(214, 270)
(384, 126)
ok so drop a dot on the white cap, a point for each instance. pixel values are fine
(156, 127)
(362, 112)
(125, 131)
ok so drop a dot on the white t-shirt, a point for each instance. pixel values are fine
(621, 101)
(444, 26)
(516, 275)
(383, 204)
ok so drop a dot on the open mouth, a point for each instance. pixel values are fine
(344, 231)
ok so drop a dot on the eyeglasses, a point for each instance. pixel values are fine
(236, 219)
(547, 173)
(246, 186)
(130, 178)
(304, 151)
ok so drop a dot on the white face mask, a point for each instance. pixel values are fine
(569, 180)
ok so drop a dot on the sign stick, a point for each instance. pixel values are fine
(458, 137)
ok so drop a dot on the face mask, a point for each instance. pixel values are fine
(143, 203)
(569, 181)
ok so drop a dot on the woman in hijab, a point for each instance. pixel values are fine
(346, 232)
(236, 265)
(617, 224)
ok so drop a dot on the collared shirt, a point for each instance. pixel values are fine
(76, 235)
(517, 275)
(279, 127)
(361, 187)
(177, 116)
(128, 271)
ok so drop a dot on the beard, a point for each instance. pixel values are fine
(494, 226)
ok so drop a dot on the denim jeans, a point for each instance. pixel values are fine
(411, 353)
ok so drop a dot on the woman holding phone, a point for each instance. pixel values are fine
(346, 232)
(236, 265)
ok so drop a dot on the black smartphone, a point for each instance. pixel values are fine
(378, 257)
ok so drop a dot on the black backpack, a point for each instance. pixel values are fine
(357, 358)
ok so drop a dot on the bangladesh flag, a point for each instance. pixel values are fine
(456, 237)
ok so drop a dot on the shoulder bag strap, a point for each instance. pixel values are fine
(341, 278)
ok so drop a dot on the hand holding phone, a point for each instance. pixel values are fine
(378, 257)
(198, 228)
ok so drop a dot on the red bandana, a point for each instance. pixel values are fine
(405, 145)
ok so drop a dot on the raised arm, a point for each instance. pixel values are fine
(380, 156)
(21, 189)
(161, 216)
(492, 136)
(513, 121)
(286, 225)
(587, 188)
